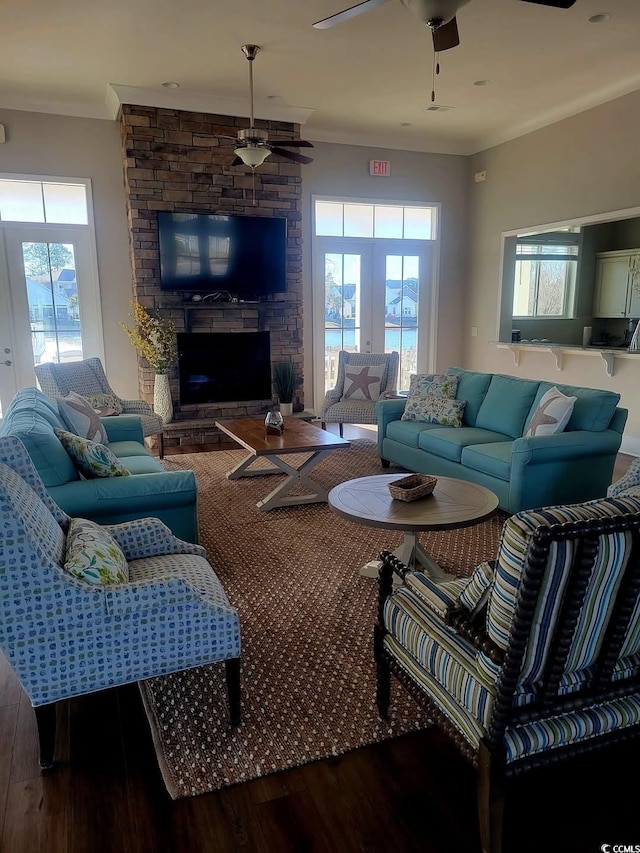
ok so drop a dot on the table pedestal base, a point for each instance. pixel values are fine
(413, 555)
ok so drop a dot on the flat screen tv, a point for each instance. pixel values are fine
(243, 256)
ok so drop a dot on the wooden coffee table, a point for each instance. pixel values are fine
(298, 437)
(453, 503)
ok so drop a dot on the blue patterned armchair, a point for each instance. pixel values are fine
(354, 397)
(88, 377)
(65, 637)
(533, 659)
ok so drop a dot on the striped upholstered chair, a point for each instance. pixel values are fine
(65, 636)
(88, 377)
(536, 657)
(354, 402)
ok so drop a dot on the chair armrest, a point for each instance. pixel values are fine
(576, 444)
(136, 407)
(156, 594)
(123, 428)
(332, 396)
(150, 537)
(440, 598)
(386, 412)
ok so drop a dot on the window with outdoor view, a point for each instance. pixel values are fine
(545, 277)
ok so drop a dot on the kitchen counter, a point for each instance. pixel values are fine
(608, 354)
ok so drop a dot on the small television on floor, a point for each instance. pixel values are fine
(242, 256)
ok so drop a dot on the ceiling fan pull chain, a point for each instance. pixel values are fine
(435, 66)
(253, 174)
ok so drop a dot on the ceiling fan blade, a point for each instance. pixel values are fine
(446, 36)
(557, 4)
(347, 14)
(292, 155)
(291, 143)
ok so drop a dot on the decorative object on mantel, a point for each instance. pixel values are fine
(284, 382)
(634, 344)
(274, 422)
(155, 340)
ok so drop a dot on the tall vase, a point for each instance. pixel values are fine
(286, 409)
(162, 404)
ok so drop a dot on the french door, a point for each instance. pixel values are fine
(370, 296)
(49, 301)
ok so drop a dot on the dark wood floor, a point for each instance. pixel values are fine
(406, 795)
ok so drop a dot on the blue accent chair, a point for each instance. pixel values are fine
(535, 658)
(65, 637)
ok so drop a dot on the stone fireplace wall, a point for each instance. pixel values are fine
(173, 161)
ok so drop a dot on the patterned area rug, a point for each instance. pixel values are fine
(306, 616)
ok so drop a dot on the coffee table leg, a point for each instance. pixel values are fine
(296, 476)
(240, 470)
(413, 555)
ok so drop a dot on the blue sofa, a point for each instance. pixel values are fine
(168, 495)
(490, 448)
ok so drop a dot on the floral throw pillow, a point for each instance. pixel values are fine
(80, 417)
(442, 384)
(552, 414)
(91, 458)
(362, 382)
(93, 555)
(105, 405)
(434, 409)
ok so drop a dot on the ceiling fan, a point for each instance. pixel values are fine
(438, 15)
(253, 145)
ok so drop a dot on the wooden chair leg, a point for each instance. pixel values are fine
(384, 462)
(491, 784)
(341, 430)
(383, 675)
(232, 673)
(46, 721)
(161, 445)
(323, 425)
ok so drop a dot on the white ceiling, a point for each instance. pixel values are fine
(356, 83)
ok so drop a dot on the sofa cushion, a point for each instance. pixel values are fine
(449, 442)
(31, 416)
(408, 432)
(493, 459)
(592, 410)
(506, 404)
(472, 387)
(80, 417)
(92, 458)
(93, 555)
(552, 414)
(434, 409)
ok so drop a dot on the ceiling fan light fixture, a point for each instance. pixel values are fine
(252, 155)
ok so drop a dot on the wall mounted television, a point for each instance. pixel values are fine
(242, 256)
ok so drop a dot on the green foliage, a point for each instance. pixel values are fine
(284, 380)
(46, 258)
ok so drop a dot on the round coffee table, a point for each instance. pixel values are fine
(452, 504)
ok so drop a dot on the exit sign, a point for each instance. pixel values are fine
(380, 168)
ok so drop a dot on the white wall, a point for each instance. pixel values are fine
(40, 144)
(343, 171)
(584, 165)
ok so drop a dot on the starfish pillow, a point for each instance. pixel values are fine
(362, 383)
(81, 418)
(552, 414)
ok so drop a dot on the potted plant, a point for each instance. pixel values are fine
(284, 382)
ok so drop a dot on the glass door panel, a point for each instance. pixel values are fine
(402, 293)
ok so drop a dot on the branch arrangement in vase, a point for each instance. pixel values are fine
(154, 338)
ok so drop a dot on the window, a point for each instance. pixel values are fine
(343, 219)
(43, 201)
(545, 276)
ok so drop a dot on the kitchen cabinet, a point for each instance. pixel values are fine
(617, 288)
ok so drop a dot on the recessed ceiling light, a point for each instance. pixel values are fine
(482, 82)
(405, 124)
(170, 84)
(600, 19)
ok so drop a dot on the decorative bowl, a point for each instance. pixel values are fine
(412, 487)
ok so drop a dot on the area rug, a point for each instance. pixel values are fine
(306, 616)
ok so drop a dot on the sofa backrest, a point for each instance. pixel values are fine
(472, 387)
(32, 417)
(593, 409)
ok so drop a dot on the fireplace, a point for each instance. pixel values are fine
(218, 367)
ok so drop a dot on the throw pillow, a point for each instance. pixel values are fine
(105, 405)
(93, 555)
(79, 416)
(442, 384)
(552, 414)
(91, 459)
(434, 409)
(362, 383)
(476, 591)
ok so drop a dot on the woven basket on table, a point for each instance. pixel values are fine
(412, 487)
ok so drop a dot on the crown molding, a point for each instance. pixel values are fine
(390, 141)
(58, 108)
(197, 102)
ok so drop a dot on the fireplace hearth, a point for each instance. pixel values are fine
(219, 367)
